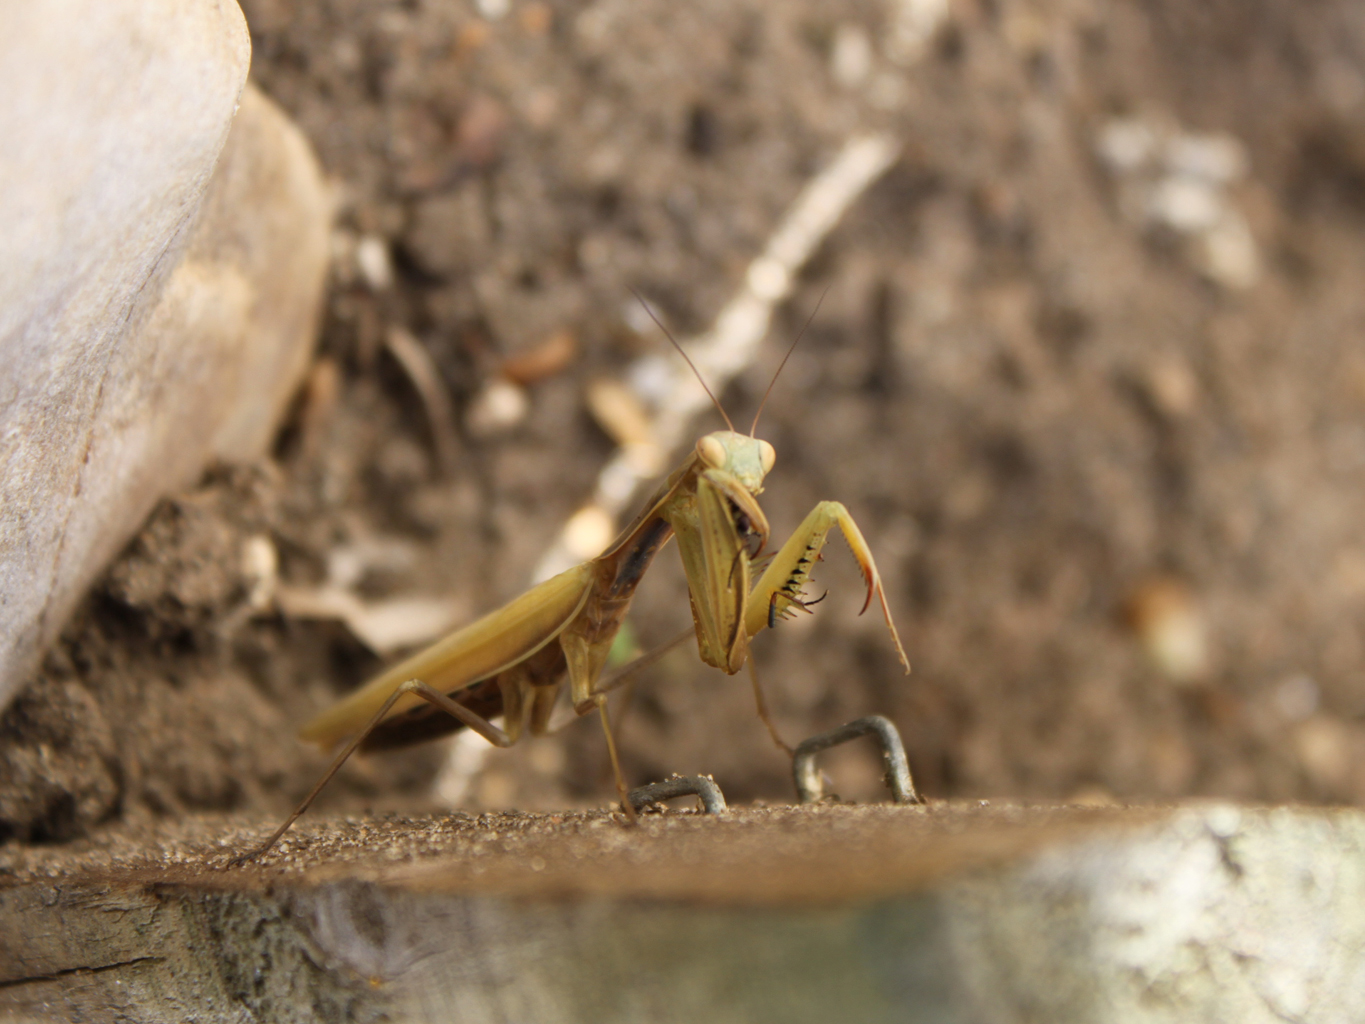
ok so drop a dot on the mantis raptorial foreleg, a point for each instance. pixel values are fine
(779, 588)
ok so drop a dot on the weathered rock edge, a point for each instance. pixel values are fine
(161, 270)
(993, 915)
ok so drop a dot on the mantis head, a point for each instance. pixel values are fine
(744, 457)
(748, 459)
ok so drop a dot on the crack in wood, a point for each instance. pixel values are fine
(68, 972)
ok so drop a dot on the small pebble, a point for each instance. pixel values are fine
(1185, 204)
(261, 568)
(499, 407)
(851, 55)
(1126, 145)
(372, 259)
(1166, 617)
(1228, 253)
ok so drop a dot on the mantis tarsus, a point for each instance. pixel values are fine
(512, 661)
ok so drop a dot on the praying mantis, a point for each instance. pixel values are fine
(513, 661)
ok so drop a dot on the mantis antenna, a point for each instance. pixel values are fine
(800, 334)
(681, 352)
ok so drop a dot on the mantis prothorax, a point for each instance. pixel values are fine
(513, 661)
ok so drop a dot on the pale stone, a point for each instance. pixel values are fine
(850, 58)
(155, 313)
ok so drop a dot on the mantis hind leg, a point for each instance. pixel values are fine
(621, 791)
(480, 725)
(778, 591)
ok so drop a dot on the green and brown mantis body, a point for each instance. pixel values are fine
(513, 661)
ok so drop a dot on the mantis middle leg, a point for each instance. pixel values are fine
(585, 660)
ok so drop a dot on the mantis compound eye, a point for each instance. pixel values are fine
(711, 452)
(767, 455)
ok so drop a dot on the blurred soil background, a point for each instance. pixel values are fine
(1087, 372)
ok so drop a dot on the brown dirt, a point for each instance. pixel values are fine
(1031, 404)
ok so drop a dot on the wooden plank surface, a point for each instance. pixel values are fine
(954, 912)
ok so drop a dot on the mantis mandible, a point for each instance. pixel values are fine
(514, 660)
